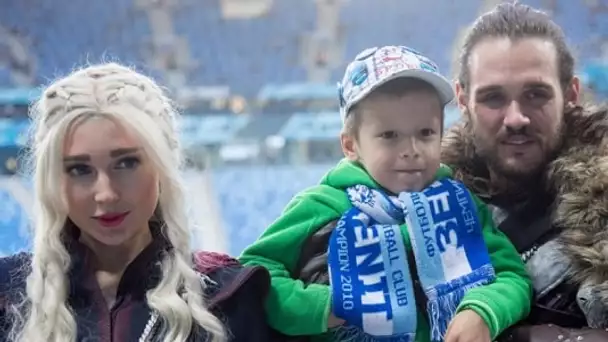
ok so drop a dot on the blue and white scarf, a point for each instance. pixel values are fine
(370, 276)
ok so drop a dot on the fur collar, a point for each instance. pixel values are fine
(576, 180)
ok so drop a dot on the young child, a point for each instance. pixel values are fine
(393, 198)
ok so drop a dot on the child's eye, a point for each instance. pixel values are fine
(427, 132)
(388, 135)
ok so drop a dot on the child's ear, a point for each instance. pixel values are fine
(349, 146)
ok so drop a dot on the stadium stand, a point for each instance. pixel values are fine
(249, 53)
(251, 198)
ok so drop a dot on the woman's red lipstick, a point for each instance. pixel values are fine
(111, 219)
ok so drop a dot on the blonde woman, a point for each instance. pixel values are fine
(111, 257)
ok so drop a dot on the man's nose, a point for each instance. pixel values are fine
(514, 118)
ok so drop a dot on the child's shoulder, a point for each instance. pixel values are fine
(444, 171)
(329, 197)
(332, 184)
(321, 195)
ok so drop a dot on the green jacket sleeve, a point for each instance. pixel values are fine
(292, 307)
(508, 299)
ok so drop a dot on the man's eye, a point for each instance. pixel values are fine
(494, 100)
(536, 97)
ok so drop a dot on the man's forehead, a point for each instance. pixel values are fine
(506, 62)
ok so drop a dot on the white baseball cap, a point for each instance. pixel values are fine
(374, 67)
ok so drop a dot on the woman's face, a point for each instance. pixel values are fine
(111, 186)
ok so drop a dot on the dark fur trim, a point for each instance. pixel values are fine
(577, 178)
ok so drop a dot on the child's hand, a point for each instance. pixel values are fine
(468, 326)
(334, 321)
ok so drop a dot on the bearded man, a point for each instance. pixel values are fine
(529, 149)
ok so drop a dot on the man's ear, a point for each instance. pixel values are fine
(572, 94)
(462, 97)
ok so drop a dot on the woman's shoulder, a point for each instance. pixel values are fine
(237, 294)
(14, 270)
(229, 279)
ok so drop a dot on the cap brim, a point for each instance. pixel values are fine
(440, 83)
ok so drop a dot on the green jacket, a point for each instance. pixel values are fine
(295, 309)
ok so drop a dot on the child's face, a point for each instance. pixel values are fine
(399, 140)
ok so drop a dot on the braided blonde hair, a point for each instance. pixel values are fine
(117, 92)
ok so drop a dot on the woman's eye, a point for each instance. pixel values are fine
(77, 170)
(128, 163)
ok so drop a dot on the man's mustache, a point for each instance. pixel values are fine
(510, 133)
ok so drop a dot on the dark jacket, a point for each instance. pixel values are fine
(235, 294)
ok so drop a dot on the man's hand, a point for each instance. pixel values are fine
(468, 326)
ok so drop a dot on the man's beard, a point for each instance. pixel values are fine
(497, 166)
(488, 152)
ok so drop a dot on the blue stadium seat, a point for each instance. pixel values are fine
(5, 76)
(63, 37)
(14, 220)
(247, 54)
(427, 26)
(251, 198)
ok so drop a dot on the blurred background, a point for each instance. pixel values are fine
(255, 80)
